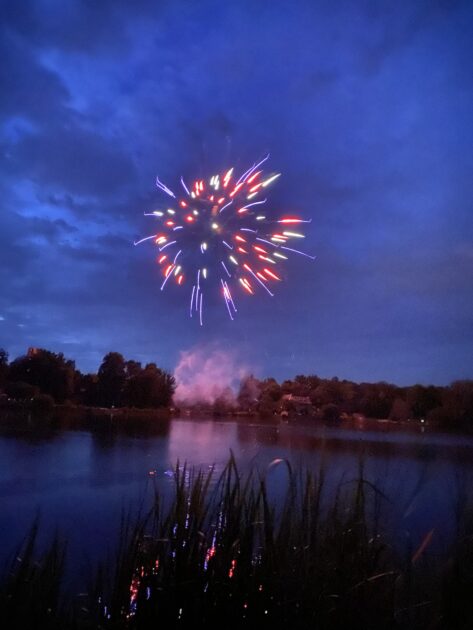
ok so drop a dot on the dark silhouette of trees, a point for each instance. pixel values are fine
(400, 410)
(43, 376)
(224, 403)
(250, 391)
(330, 412)
(111, 380)
(458, 401)
(421, 400)
(3, 366)
(450, 406)
(377, 399)
(151, 387)
(51, 373)
(19, 390)
(87, 390)
(132, 368)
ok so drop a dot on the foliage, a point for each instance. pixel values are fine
(3, 366)
(50, 372)
(42, 403)
(20, 391)
(249, 393)
(111, 379)
(400, 410)
(330, 412)
(29, 597)
(44, 378)
(151, 387)
(121, 382)
(450, 407)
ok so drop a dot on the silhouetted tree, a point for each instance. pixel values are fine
(249, 393)
(3, 366)
(111, 380)
(42, 404)
(320, 395)
(422, 399)
(19, 390)
(132, 368)
(224, 402)
(376, 399)
(267, 405)
(151, 387)
(400, 410)
(50, 372)
(271, 389)
(87, 390)
(458, 400)
(330, 412)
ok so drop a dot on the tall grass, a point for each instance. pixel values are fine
(30, 594)
(224, 552)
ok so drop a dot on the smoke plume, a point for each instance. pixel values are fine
(204, 374)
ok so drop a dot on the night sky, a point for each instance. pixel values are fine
(366, 109)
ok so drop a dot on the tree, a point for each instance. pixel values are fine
(271, 389)
(458, 400)
(224, 402)
(3, 366)
(330, 412)
(132, 368)
(21, 391)
(50, 372)
(86, 389)
(320, 395)
(267, 405)
(151, 387)
(248, 395)
(400, 410)
(422, 399)
(111, 380)
(377, 399)
(42, 403)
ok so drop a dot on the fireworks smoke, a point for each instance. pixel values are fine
(204, 374)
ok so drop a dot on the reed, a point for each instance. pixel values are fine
(224, 552)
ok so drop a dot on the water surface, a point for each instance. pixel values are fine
(80, 481)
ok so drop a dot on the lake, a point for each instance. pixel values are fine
(80, 481)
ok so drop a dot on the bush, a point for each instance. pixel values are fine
(330, 413)
(20, 390)
(42, 403)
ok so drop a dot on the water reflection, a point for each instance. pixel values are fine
(82, 479)
(201, 442)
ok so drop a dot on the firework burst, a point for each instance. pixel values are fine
(222, 233)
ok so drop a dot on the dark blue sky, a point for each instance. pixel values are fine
(366, 108)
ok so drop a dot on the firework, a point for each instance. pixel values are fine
(222, 233)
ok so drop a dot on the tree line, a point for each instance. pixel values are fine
(45, 377)
(332, 398)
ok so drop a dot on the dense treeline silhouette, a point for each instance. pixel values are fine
(331, 399)
(45, 378)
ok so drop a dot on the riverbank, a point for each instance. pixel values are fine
(94, 419)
